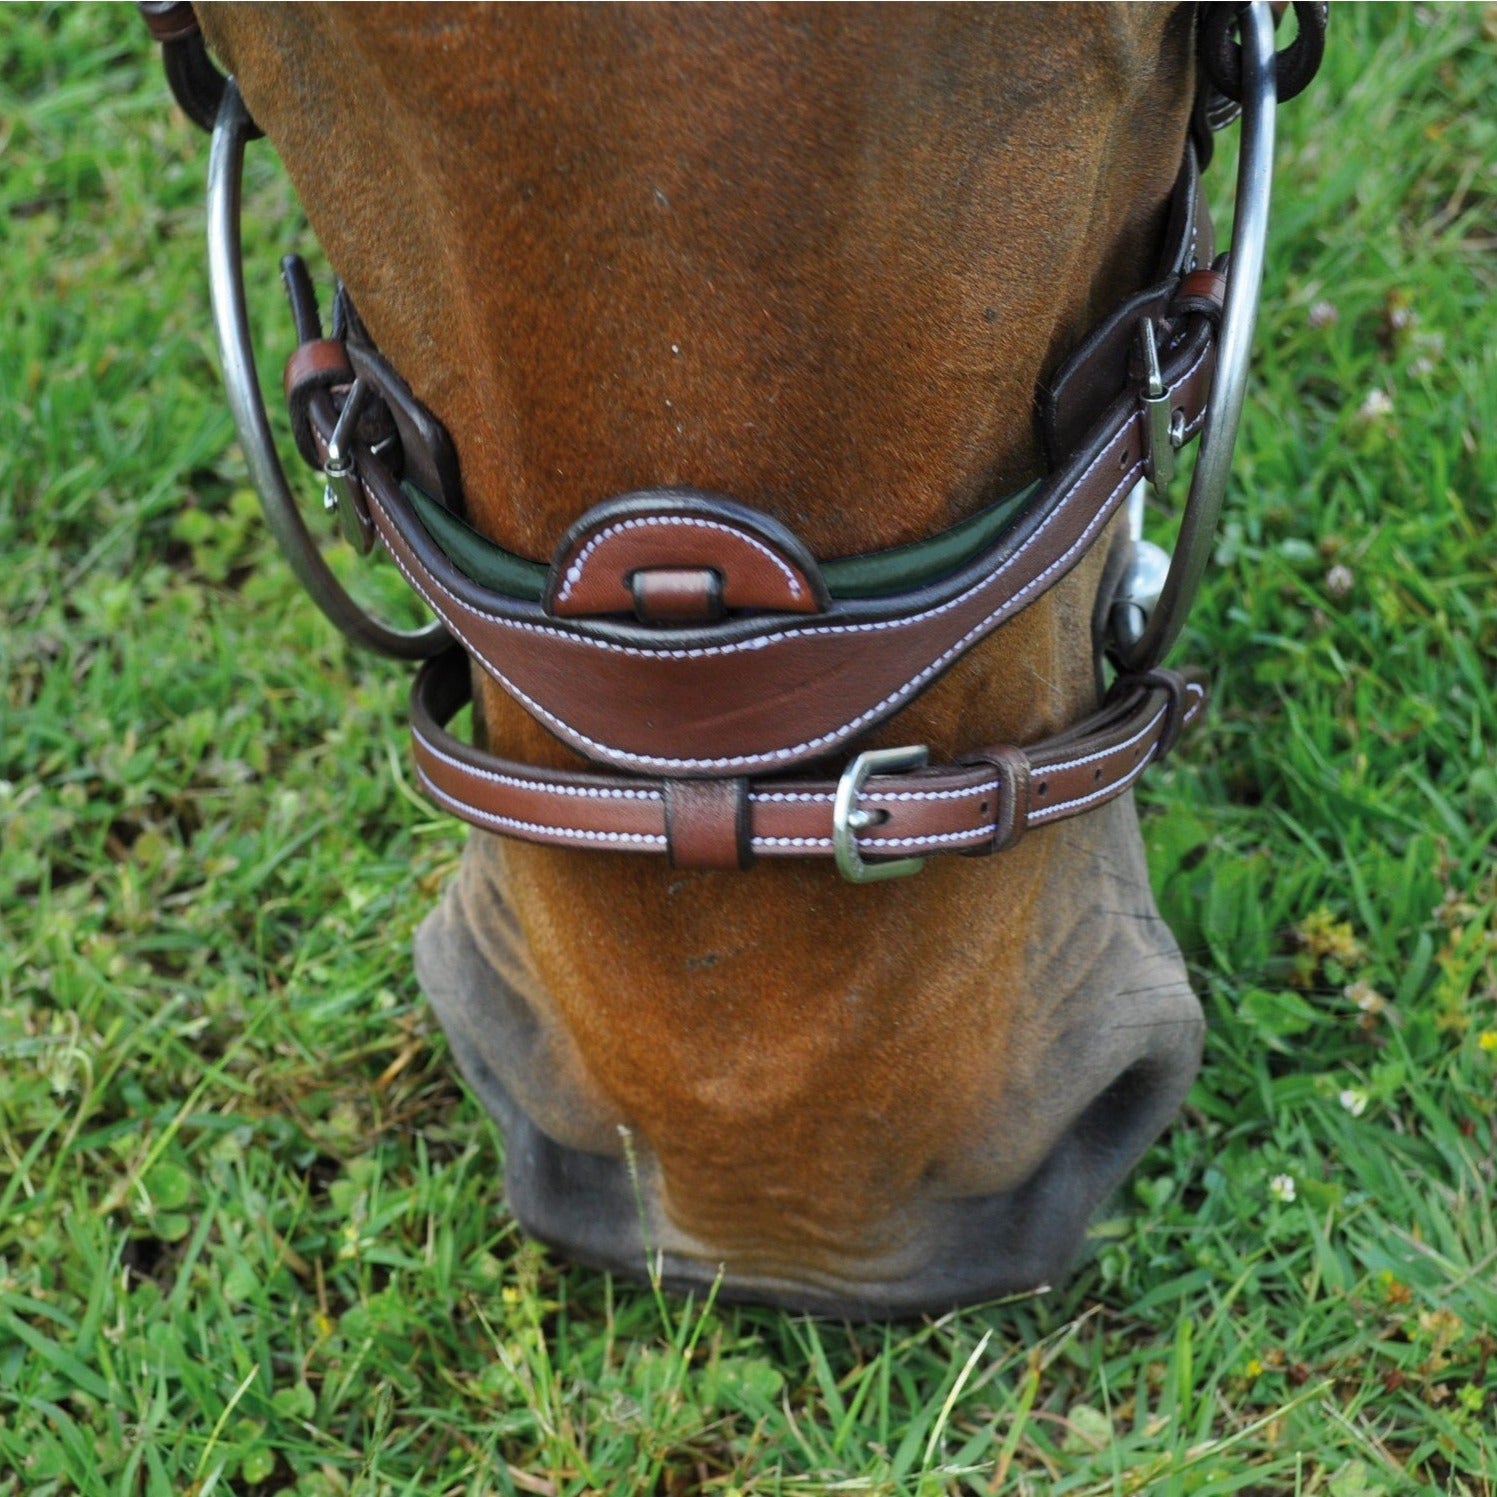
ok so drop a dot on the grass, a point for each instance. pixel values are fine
(251, 1234)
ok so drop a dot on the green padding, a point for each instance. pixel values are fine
(897, 570)
(479, 560)
(872, 576)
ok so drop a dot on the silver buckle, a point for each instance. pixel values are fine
(848, 820)
(338, 494)
(1164, 433)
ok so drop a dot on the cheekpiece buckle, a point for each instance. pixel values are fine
(1165, 430)
(848, 820)
(339, 495)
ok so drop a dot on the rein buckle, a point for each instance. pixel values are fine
(848, 820)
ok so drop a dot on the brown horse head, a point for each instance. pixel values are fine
(820, 260)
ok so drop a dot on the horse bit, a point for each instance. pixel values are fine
(693, 646)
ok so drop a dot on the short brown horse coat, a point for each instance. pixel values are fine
(817, 259)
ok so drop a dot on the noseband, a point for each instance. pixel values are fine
(696, 649)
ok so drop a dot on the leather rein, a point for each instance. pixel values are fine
(694, 647)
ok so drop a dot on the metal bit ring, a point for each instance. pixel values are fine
(236, 354)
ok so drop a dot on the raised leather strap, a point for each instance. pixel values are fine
(760, 695)
(764, 690)
(980, 805)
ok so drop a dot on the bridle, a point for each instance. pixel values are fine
(693, 646)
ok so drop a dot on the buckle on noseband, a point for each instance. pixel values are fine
(848, 820)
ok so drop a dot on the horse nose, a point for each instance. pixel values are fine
(892, 1177)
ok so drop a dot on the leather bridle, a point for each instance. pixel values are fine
(696, 650)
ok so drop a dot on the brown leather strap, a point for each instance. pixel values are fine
(707, 823)
(980, 805)
(690, 706)
(168, 20)
(760, 694)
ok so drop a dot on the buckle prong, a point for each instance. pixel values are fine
(338, 493)
(848, 818)
(1164, 434)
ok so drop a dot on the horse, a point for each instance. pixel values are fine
(834, 263)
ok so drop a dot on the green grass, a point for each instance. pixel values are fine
(251, 1233)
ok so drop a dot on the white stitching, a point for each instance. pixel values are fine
(470, 812)
(606, 751)
(1049, 813)
(975, 792)
(538, 784)
(1037, 818)
(1005, 609)
(574, 572)
(975, 833)
(1066, 765)
(740, 646)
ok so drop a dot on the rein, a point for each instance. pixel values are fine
(694, 647)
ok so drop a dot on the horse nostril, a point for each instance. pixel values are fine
(1122, 1119)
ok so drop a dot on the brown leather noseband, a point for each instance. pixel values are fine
(696, 647)
(698, 652)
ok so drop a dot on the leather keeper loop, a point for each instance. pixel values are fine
(318, 363)
(168, 20)
(1012, 819)
(1202, 292)
(707, 824)
(677, 595)
(1173, 685)
(314, 366)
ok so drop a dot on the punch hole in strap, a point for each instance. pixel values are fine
(1010, 816)
(707, 824)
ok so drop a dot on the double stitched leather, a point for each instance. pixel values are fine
(764, 692)
(982, 804)
(690, 645)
